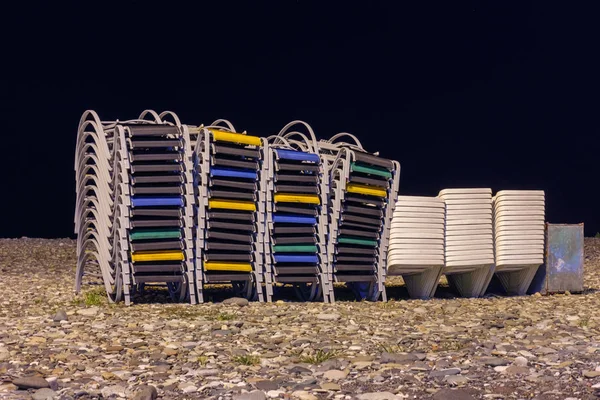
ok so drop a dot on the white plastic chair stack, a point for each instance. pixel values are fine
(519, 237)
(416, 246)
(469, 241)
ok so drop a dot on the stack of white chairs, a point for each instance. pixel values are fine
(519, 237)
(416, 246)
(469, 241)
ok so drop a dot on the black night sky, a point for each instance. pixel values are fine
(464, 94)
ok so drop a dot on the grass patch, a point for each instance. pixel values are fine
(94, 297)
(225, 317)
(583, 322)
(247, 359)
(448, 345)
(318, 357)
(77, 302)
(393, 348)
(202, 360)
(387, 304)
(183, 312)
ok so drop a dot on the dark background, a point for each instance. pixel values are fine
(463, 94)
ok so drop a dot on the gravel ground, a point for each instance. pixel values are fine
(532, 347)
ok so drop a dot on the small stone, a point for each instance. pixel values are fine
(274, 394)
(188, 388)
(360, 365)
(452, 394)
(444, 372)
(397, 358)
(501, 368)
(44, 394)
(335, 375)
(238, 301)
(36, 340)
(31, 382)
(61, 315)
(7, 387)
(587, 374)
(108, 375)
(207, 372)
(377, 396)
(299, 370)
(564, 364)
(516, 370)
(521, 361)
(114, 349)
(170, 352)
(456, 380)
(546, 350)
(115, 390)
(88, 312)
(254, 395)
(266, 385)
(146, 392)
(526, 353)
(328, 317)
(494, 361)
(53, 382)
(596, 386)
(331, 386)
(304, 395)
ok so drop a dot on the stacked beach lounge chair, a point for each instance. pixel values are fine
(519, 230)
(98, 164)
(469, 241)
(161, 212)
(363, 190)
(228, 172)
(416, 246)
(152, 207)
(296, 214)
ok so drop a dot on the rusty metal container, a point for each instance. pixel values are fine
(563, 270)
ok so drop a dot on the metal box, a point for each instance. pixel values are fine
(563, 270)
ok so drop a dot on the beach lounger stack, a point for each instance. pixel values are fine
(416, 246)
(227, 245)
(141, 198)
(469, 241)
(295, 223)
(362, 193)
(519, 229)
(160, 219)
(98, 162)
